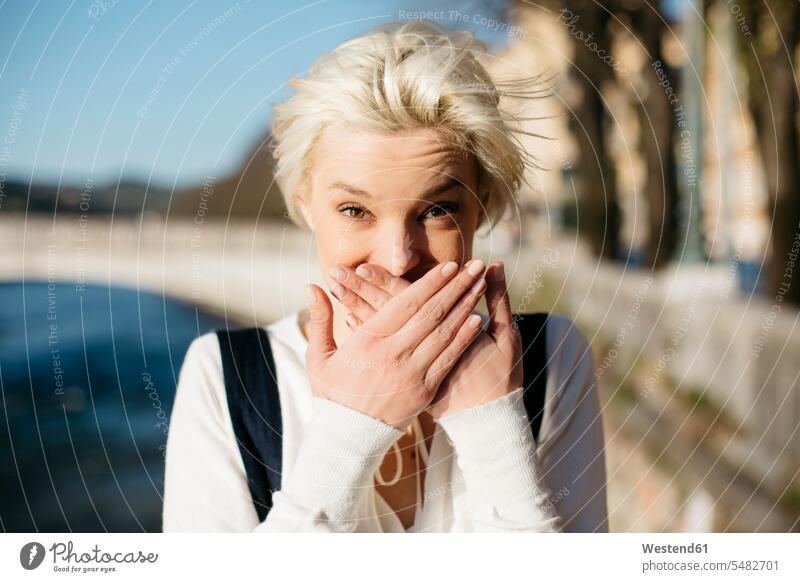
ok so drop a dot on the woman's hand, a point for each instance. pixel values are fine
(489, 368)
(391, 366)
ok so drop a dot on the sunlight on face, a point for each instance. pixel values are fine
(404, 201)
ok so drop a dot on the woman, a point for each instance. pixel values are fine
(401, 408)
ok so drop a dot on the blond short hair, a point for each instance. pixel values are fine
(406, 75)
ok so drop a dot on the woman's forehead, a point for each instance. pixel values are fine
(422, 148)
(383, 164)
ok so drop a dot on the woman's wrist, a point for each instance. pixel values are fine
(500, 416)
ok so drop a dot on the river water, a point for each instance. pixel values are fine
(87, 380)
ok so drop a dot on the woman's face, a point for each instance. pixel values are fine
(404, 201)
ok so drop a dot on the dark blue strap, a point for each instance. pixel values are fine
(254, 403)
(533, 328)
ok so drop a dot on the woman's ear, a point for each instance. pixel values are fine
(301, 204)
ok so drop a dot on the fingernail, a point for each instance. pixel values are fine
(499, 272)
(338, 273)
(363, 271)
(449, 268)
(475, 267)
(474, 320)
(337, 290)
(479, 285)
(312, 297)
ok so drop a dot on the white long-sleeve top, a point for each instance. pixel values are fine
(484, 473)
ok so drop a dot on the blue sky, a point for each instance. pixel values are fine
(173, 91)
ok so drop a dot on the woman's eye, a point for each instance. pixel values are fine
(353, 211)
(438, 210)
(442, 209)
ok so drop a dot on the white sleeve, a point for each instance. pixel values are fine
(338, 458)
(497, 455)
(513, 475)
(571, 446)
(205, 486)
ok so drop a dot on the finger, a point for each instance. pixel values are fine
(373, 296)
(442, 335)
(498, 302)
(382, 278)
(444, 362)
(352, 321)
(402, 307)
(435, 310)
(320, 343)
(351, 301)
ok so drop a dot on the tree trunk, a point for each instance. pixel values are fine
(657, 119)
(773, 97)
(598, 210)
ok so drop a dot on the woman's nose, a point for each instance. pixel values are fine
(397, 253)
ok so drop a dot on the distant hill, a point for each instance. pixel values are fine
(125, 197)
(239, 194)
(249, 192)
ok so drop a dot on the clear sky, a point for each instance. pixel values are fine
(172, 90)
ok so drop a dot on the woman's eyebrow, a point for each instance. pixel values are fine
(352, 189)
(451, 182)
